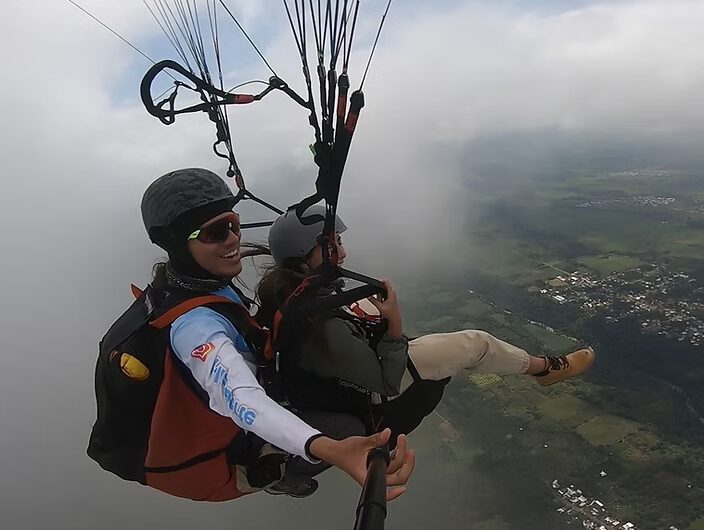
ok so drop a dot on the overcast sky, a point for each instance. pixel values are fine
(78, 150)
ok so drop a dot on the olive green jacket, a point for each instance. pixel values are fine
(348, 357)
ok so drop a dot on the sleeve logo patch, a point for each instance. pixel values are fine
(202, 351)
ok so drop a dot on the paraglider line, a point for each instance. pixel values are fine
(381, 25)
(168, 36)
(247, 83)
(349, 48)
(247, 36)
(170, 25)
(113, 32)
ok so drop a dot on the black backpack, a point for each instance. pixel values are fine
(129, 372)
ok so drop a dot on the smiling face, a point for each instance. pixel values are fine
(315, 257)
(215, 246)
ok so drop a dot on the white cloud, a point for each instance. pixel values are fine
(439, 78)
(75, 145)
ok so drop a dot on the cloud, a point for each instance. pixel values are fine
(77, 145)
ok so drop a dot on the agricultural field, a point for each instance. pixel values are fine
(606, 429)
(600, 223)
(551, 341)
(607, 264)
(568, 410)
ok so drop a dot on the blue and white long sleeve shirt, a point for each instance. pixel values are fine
(221, 362)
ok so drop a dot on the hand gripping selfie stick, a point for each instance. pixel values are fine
(371, 510)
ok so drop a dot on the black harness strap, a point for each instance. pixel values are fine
(188, 463)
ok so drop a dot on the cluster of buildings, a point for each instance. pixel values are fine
(638, 200)
(592, 512)
(666, 303)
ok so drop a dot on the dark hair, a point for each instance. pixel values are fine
(276, 285)
(159, 276)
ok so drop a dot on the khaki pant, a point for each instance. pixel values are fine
(441, 355)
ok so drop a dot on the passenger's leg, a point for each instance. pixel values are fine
(442, 355)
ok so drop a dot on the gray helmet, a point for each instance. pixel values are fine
(289, 238)
(181, 191)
